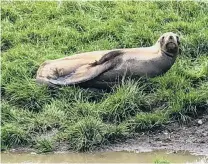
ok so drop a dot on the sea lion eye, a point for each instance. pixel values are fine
(162, 40)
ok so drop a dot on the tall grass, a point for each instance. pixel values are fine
(33, 32)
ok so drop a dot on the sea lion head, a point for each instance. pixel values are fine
(169, 43)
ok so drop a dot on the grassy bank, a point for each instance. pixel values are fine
(40, 117)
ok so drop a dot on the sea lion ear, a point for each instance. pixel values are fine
(178, 40)
(179, 50)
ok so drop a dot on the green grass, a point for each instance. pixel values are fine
(44, 145)
(161, 161)
(33, 32)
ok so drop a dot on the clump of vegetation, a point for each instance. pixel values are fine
(44, 145)
(13, 135)
(161, 161)
(33, 32)
(125, 101)
(86, 133)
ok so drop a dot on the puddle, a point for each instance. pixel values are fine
(101, 157)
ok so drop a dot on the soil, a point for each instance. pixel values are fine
(192, 137)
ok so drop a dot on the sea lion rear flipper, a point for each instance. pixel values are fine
(89, 71)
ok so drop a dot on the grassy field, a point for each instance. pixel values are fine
(40, 117)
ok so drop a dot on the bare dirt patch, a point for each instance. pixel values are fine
(192, 137)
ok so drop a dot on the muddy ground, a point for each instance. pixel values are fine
(192, 137)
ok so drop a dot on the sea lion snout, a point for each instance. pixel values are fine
(171, 46)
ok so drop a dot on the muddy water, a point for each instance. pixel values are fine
(101, 157)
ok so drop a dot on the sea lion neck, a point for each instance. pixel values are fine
(163, 52)
(171, 55)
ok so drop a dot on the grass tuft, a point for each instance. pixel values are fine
(127, 100)
(161, 161)
(86, 134)
(13, 135)
(44, 145)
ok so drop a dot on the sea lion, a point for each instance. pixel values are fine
(100, 69)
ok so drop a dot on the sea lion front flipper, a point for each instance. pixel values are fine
(89, 71)
(108, 56)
